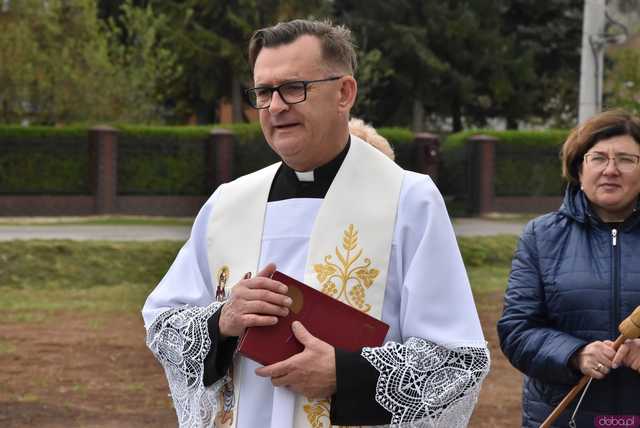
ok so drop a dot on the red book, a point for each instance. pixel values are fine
(326, 318)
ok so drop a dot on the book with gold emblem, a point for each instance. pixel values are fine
(328, 319)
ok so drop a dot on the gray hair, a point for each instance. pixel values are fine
(337, 44)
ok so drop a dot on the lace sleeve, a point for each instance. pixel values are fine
(426, 385)
(179, 339)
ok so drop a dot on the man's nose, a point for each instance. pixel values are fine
(277, 103)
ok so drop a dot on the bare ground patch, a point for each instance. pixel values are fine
(94, 370)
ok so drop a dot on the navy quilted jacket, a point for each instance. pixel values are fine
(573, 280)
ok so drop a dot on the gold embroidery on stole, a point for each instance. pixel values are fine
(226, 395)
(223, 276)
(317, 413)
(226, 402)
(354, 279)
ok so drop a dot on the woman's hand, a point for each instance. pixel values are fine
(595, 359)
(628, 355)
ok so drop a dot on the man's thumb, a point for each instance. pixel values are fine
(268, 270)
(301, 333)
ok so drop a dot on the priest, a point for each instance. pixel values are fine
(342, 217)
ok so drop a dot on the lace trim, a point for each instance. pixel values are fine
(426, 385)
(179, 339)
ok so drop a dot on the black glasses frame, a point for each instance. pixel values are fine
(252, 98)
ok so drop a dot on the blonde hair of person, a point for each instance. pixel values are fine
(369, 134)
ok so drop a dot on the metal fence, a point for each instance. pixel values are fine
(56, 165)
(161, 166)
(527, 170)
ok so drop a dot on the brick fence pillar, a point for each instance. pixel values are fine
(428, 153)
(220, 156)
(103, 155)
(481, 149)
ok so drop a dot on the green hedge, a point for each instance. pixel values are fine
(251, 151)
(173, 161)
(162, 160)
(43, 160)
(400, 140)
(22, 132)
(397, 137)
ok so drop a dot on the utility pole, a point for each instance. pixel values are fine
(592, 58)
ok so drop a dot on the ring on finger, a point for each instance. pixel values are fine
(599, 367)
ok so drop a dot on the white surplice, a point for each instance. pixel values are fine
(428, 305)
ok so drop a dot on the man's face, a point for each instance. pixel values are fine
(304, 135)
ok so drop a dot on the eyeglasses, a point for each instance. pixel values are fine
(623, 161)
(290, 92)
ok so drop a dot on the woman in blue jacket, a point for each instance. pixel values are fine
(575, 276)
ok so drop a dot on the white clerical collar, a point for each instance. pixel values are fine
(305, 176)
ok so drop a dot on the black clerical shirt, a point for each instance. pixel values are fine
(287, 185)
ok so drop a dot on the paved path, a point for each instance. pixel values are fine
(463, 227)
(480, 227)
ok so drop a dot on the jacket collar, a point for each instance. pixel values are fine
(576, 206)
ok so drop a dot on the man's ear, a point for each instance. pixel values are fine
(348, 93)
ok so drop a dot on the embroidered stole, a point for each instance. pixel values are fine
(348, 257)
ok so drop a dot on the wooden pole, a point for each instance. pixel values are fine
(629, 329)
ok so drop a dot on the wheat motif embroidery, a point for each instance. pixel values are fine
(347, 279)
(317, 413)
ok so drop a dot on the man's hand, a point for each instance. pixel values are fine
(254, 302)
(628, 354)
(595, 359)
(311, 373)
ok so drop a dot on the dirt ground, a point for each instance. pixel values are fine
(88, 371)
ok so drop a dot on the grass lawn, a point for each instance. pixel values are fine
(114, 220)
(80, 270)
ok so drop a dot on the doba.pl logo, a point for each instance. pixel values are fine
(627, 421)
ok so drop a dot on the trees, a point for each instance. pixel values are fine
(210, 38)
(448, 64)
(59, 63)
(395, 59)
(46, 75)
(433, 57)
(622, 62)
(143, 66)
(465, 60)
(624, 80)
(550, 33)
